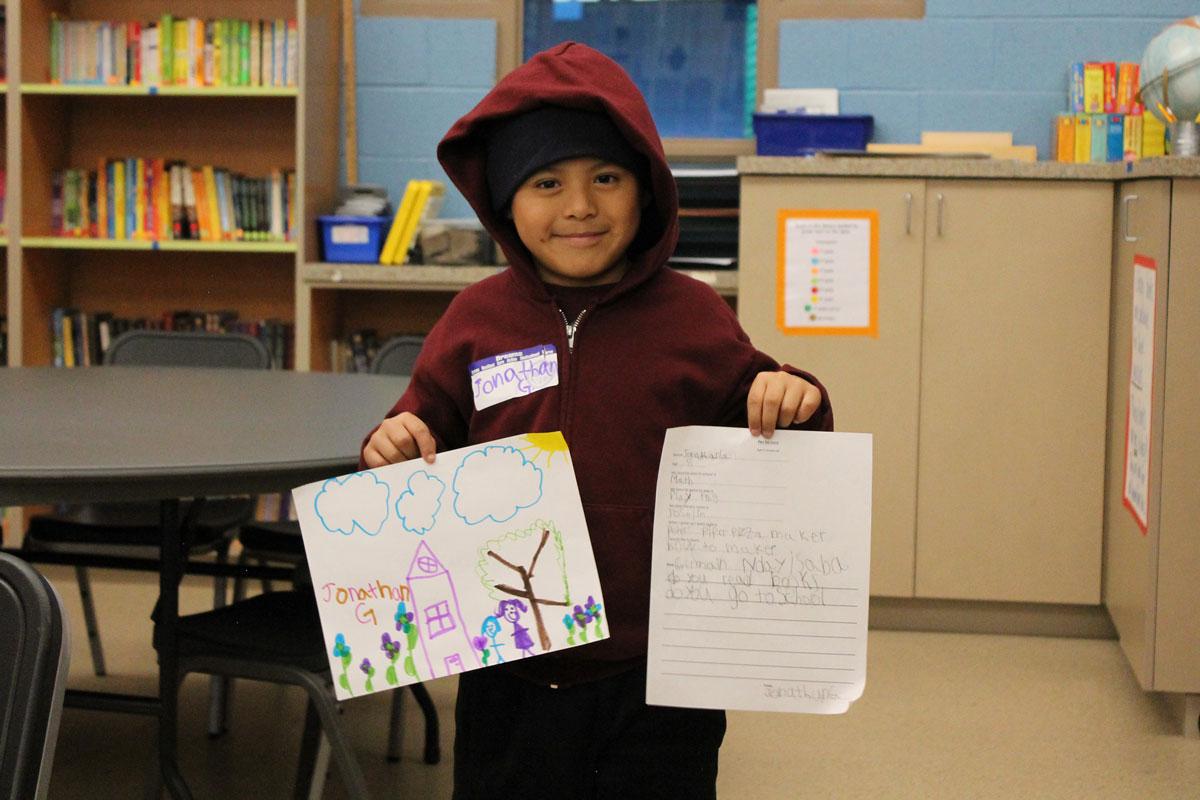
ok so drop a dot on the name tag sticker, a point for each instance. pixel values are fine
(516, 374)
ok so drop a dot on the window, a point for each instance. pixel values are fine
(694, 60)
(438, 619)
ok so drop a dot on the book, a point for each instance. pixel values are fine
(192, 222)
(256, 53)
(1133, 137)
(1154, 136)
(200, 193)
(1110, 87)
(1116, 137)
(1075, 88)
(210, 204)
(426, 206)
(1127, 86)
(1099, 138)
(1093, 88)
(119, 199)
(1083, 138)
(390, 244)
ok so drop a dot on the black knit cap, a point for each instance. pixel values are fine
(523, 144)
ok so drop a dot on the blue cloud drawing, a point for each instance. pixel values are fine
(495, 483)
(353, 502)
(418, 506)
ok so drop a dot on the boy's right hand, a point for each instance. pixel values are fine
(399, 438)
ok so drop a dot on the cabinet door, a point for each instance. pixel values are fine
(1177, 636)
(1142, 228)
(872, 382)
(1013, 386)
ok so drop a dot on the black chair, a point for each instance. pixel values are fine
(33, 669)
(397, 356)
(131, 530)
(281, 542)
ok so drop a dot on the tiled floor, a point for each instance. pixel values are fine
(944, 716)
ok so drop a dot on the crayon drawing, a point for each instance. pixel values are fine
(427, 570)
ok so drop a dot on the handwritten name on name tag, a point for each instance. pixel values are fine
(510, 375)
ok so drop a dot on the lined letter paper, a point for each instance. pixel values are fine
(761, 569)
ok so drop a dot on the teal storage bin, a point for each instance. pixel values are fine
(355, 239)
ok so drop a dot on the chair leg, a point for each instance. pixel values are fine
(239, 582)
(310, 743)
(433, 751)
(395, 730)
(89, 620)
(320, 770)
(219, 685)
(266, 583)
(348, 767)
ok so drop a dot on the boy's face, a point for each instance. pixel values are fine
(578, 217)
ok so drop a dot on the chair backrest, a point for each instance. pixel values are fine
(397, 356)
(145, 348)
(33, 670)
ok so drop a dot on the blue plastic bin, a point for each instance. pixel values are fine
(787, 134)
(357, 239)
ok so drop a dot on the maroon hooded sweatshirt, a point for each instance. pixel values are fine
(656, 350)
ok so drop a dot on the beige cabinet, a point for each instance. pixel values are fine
(985, 388)
(873, 382)
(1151, 586)
(1013, 365)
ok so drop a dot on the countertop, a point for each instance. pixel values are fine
(908, 167)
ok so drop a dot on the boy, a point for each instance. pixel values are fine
(563, 165)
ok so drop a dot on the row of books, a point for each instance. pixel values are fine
(422, 201)
(156, 199)
(1104, 87)
(1093, 138)
(175, 52)
(81, 338)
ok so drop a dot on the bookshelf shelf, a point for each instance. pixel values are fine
(417, 278)
(66, 90)
(412, 278)
(192, 246)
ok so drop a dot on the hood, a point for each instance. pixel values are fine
(574, 76)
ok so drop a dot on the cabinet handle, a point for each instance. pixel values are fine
(908, 213)
(941, 207)
(1125, 201)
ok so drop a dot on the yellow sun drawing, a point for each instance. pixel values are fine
(545, 444)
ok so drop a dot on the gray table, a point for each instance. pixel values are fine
(127, 433)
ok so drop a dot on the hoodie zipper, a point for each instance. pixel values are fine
(572, 328)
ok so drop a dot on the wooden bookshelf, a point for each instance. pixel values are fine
(158, 91)
(249, 130)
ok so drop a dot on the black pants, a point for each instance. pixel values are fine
(596, 741)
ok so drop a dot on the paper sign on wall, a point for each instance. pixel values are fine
(827, 272)
(425, 570)
(1136, 491)
(761, 571)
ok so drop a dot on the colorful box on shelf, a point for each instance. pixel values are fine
(351, 238)
(784, 133)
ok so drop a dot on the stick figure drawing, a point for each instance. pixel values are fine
(512, 610)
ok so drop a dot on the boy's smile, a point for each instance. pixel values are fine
(578, 217)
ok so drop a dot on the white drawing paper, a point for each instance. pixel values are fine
(426, 570)
(761, 570)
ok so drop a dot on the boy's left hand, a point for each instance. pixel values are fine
(779, 399)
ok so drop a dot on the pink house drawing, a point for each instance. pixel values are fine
(445, 641)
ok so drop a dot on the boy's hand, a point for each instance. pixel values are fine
(779, 399)
(399, 438)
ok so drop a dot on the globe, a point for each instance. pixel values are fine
(1177, 51)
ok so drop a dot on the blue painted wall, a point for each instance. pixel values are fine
(968, 65)
(983, 65)
(415, 78)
